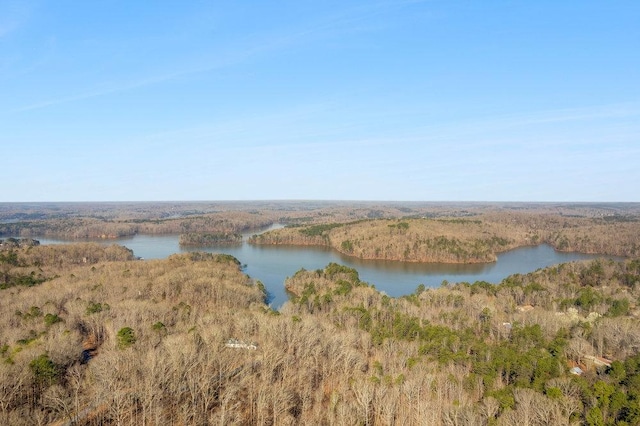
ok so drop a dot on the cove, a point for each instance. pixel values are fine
(273, 264)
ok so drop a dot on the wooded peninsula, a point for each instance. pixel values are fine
(409, 232)
(90, 335)
(463, 240)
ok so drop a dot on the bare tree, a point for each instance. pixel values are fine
(364, 392)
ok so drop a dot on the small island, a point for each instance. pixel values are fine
(209, 239)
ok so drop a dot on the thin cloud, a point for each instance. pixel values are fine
(116, 89)
(13, 15)
(255, 47)
(575, 114)
(498, 124)
(7, 27)
(277, 130)
(136, 84)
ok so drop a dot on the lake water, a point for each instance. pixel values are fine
(273, 264)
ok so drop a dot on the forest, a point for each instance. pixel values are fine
(406, 231)
(90, 335)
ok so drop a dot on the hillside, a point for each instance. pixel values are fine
(104, 339)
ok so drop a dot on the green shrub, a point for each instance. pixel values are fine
(94, 308)
(126, 337)
(44, 370)
(159, 327)
(51, 319)
(619, 307)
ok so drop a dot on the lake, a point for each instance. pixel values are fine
(273, 264)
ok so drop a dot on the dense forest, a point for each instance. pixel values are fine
(494, 227)
(91, 336)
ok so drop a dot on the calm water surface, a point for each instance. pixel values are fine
(273, 264)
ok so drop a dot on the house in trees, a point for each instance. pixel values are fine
(239, 344)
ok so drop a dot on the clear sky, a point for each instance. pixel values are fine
(336, 100)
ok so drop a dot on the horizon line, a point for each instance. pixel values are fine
(327, 200)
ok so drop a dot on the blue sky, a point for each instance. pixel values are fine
(337, 100)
